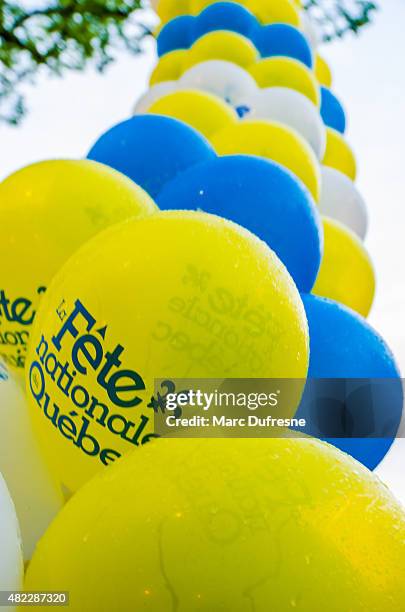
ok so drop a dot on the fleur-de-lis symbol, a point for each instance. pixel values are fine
(158, 403)
(197, 278)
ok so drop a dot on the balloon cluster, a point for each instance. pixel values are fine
(216, 234)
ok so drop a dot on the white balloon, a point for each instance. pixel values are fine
(151, 95)
(37, 497)
(341, 200)
(11, 562)
(224, 79)
(309, 30)
(293, 109)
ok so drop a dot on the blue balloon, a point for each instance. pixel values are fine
(332, 112)
(151, 150)
(283, 39)
(261, 196)
(225, 16)
(354, 389)
(176, 34)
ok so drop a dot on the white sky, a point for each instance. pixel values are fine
(67, 115)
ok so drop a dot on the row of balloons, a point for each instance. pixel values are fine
(235, 250)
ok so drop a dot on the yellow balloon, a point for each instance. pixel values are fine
(47, 211)
(169, 9)
(203, 111)
(267, 11)
(169, 67)
(274, 141)
(174, 295)
(346, 274)
(286, 72)
(338, 154)
(222, 45)
(232, 525)
(322, 71)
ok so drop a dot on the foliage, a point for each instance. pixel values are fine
(59, 36)
(335, 18)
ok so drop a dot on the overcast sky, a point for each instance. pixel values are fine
(67, 115)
